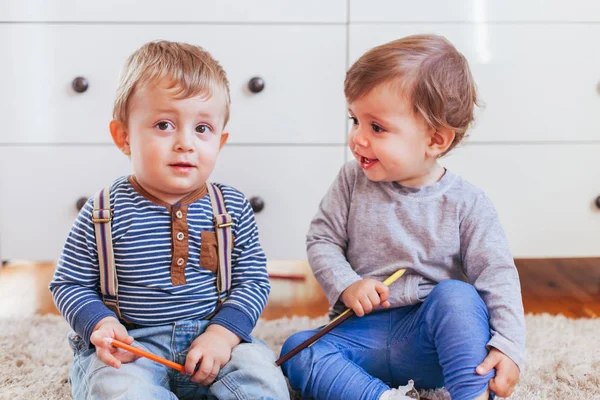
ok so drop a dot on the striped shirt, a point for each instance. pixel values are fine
(142, 241)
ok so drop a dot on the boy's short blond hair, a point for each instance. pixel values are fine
(429, 71)
(190, 69)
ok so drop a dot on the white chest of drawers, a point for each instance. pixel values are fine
(533, 149)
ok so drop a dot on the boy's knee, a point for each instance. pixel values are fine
(252, 355)
(252, 366)
(131, 381)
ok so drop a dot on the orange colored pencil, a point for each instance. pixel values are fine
(144, 353)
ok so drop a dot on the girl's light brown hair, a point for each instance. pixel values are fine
(190, 69)
(429, 71)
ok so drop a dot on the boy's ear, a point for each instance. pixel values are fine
(118, 131)
(224, 137)
(440, 141)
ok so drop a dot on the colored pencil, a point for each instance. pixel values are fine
(146, 354)
(333, 323)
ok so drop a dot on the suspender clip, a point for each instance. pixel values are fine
(101, 215)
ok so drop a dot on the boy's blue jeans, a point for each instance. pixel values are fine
(437, 343)
(250, 374)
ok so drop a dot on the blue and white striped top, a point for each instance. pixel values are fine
(142, 242)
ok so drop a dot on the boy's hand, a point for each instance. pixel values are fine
(507, 372)
(212, 350)
(365, 295)
(110, 327)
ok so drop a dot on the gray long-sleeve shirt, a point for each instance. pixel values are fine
(449, 230)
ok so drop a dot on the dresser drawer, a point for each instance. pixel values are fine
(40, 186)
(545, 194)
(39, 190)
(175, 10)
(531, 91)
(302, 100)
(290, 181)
(473, 11)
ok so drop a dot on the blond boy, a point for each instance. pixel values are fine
(171, 109)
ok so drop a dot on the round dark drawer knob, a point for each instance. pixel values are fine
(257, 204)
(598, 201)
(80, 84)
(80, 203)
(256, 84)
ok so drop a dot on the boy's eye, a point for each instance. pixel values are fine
(163, 125)
(354, 120)
(202, 129)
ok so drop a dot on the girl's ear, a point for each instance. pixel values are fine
(118, 131)
(440, 141)
(224, 137)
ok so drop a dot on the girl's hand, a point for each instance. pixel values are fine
(365, 295)
(507, 372)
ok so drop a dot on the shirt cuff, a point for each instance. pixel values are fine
(334, 295)
(88, 316)
(236, 320)
(509, 348)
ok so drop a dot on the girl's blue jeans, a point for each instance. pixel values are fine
(250, 374)
(437, 343)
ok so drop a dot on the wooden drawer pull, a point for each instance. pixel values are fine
(80, 84)
(256, 84)
(257, 204)
(80, 203)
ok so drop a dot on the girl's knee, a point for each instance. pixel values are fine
(453, 306)
(451, 287)
(299, 368)
(455, 294)
(295, 340)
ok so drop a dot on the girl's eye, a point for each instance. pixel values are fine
(202, 129)
(354, 120)
(163, 125)
(376, 128)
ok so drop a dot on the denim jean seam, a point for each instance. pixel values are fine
(429, 332)
(362, 348)
(352, 362)
(166, 381)
(404, 337)
(173, 352)
(236, 392)
(388, 353)
(84, 376)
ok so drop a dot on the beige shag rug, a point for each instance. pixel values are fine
(562, 360)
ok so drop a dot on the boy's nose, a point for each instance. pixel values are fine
(183, 142)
